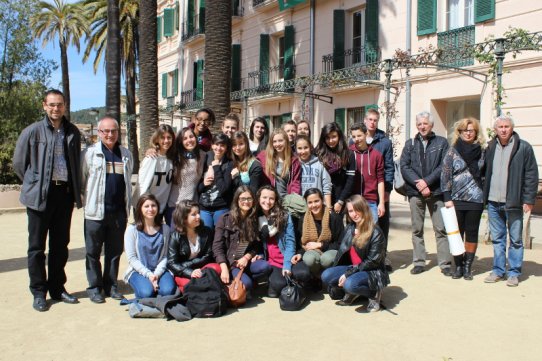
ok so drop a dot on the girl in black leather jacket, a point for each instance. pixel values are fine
(190, 246)
(359, 268)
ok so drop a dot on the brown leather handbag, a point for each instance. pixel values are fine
(237, 292)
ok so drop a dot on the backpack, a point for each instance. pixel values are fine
(206, 296)
(398, 182)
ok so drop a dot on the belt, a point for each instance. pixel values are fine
(59, 183)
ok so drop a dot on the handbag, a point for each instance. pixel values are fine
(237, 292)
(292, 296)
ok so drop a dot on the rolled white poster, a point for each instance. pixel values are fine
(452, 231)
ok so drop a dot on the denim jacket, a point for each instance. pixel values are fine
(93, 180)
(286, 243)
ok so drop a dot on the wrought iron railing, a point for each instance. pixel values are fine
(256, 3)
(350, 57)
(264, 77)
(170, 102)
(193, 26)
(453, 44)
(191, 95)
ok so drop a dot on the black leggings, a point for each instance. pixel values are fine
(300, 272)
(469, 224)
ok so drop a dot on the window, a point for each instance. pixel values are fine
(459, 13)
(170, 84)
(281, 57)
(353, 116)
(358, 35)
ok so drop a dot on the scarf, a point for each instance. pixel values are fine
(310, 233)
(471, 154)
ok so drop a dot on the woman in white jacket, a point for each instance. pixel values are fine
(156, 171)
(146, 244)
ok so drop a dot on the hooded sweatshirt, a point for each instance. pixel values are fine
(314, 175)
(369, 172)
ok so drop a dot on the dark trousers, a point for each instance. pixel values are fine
(384, 222)
(55, 220)
(108, 233)
(300, 272)
(469, 224)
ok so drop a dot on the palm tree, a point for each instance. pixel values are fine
(67, 22)
(148, 70)
(218, 15)
(112, 61)
(97, 41)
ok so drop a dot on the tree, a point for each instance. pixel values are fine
(112, 61)
(218, 15)
(148, 70)
(97, 41)
(68, 23)
(24, 76)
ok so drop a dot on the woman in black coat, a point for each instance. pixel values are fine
(190, 246)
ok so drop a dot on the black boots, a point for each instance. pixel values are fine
(458, 260)
(467, 270)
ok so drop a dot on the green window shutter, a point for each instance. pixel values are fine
(164, 85)
(371, 106)
(264, 59)
(199, 79)
(338, 39)
(285, 117)
(202, 16)
(177, 15)
(169, 19)
(235, 7)
(176, 82)
(159, 29)
(289, 49)
(235, 67)
(371, 31)
(340, 118)
(427, 17)
(267, 119)
(484, 10)
(190, 17)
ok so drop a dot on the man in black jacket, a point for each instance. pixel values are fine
(47, 160)
(510, 190)
(421, 165)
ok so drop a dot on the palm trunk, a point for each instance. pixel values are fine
(112, 61)
(148, 71)
(218, 56)
(65, 78)
(131, 113)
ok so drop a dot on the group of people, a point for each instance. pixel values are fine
(268, 204)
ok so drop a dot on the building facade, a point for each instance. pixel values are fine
(324, 60)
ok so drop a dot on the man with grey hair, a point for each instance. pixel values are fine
(510, 190)
(421, 165)
(107, 172)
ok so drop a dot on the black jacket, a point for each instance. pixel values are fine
(522, 183)
(218, 194)
(372, 255)
(417, 164)
(178, 257)
(336, 226)
(33, 162)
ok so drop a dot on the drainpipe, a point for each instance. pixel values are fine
(408, 99)
(312, 70)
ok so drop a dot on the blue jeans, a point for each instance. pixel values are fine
(142, 286)
(501, 221)
(210, 218)
(356, 284)
(373, 206)
(256, 270)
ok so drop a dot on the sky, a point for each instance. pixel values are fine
(87, 90)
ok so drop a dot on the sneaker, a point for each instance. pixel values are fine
(374, 303)
(512, 281)
(493, 277)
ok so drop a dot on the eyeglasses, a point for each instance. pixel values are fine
(55, 105)
(108, 131)
(245, 199)
(204, 121)
(468, 131)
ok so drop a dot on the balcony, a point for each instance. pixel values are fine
(454, 45)
(170, 103)
(263, 78)
(350, 58)
(191, 99)
(193, 27)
